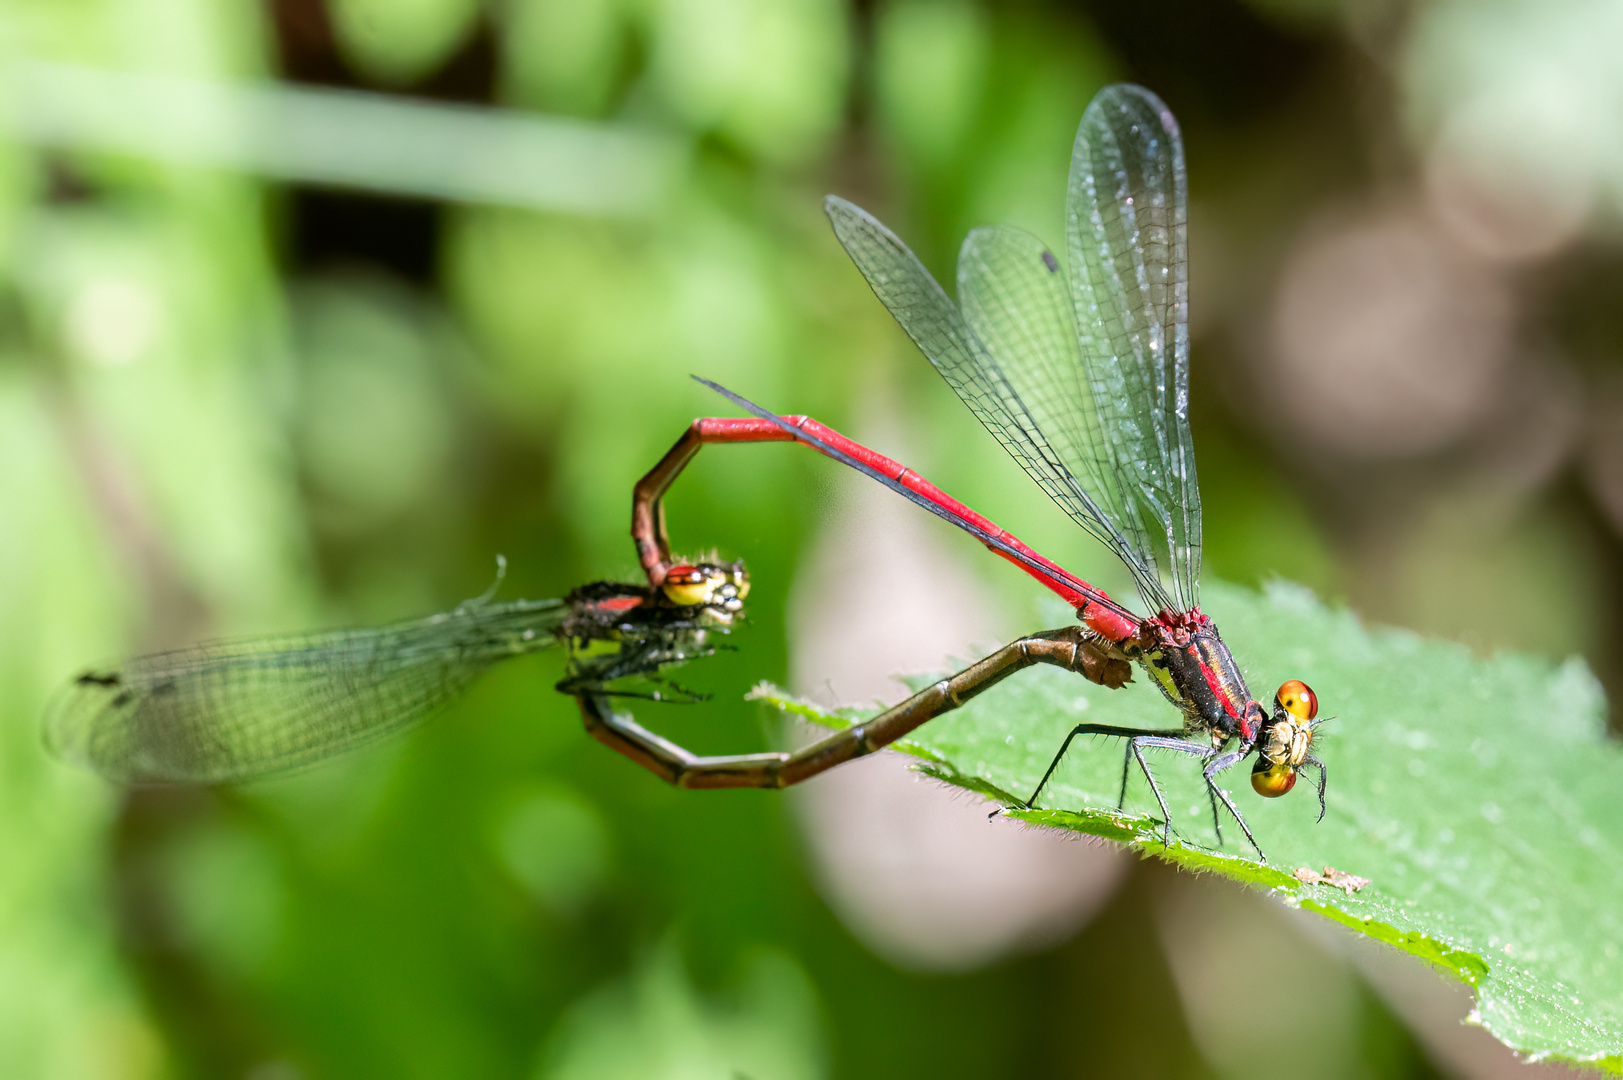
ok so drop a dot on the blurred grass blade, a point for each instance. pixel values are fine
(346, 138)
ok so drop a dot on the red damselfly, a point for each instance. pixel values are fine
(1080, 369)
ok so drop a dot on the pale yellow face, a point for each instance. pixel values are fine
(1289, 740)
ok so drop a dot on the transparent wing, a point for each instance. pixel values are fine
(1084, 381)
(1023, 315)
(229, 710)
(1127, 235)
(1018, 304)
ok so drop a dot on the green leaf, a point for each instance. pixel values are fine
(1480, 797)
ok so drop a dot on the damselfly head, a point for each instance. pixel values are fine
(1286, 740)
(720, 587)
(1272, 780)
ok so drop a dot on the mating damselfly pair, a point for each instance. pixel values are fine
(1078, 365)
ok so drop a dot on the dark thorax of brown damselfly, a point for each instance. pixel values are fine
(648, 628)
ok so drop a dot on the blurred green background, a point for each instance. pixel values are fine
(277, 356)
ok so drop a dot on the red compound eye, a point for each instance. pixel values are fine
(688, 585)
(1297, 698)
(1272, 781)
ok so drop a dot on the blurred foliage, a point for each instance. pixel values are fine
(231, 404)
(400, 41)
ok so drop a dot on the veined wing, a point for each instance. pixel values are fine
(939, 329)
(1127, 235)
(1096, 433)
(1015, 298)
(230, 710)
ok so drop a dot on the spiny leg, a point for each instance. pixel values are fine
(1316, 763)
(1159, 741)
(1098, 729)
(596, 679)
(642, 656)
(1213, 767)
(680, 695)
(1217, 819)
(1126, 769)
(1166, 692)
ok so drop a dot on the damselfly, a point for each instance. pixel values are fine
(1080, 369)
(222, 711)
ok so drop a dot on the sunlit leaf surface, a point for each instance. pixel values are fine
(1479, 796)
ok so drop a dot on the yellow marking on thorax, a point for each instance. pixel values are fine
(1156, 665)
